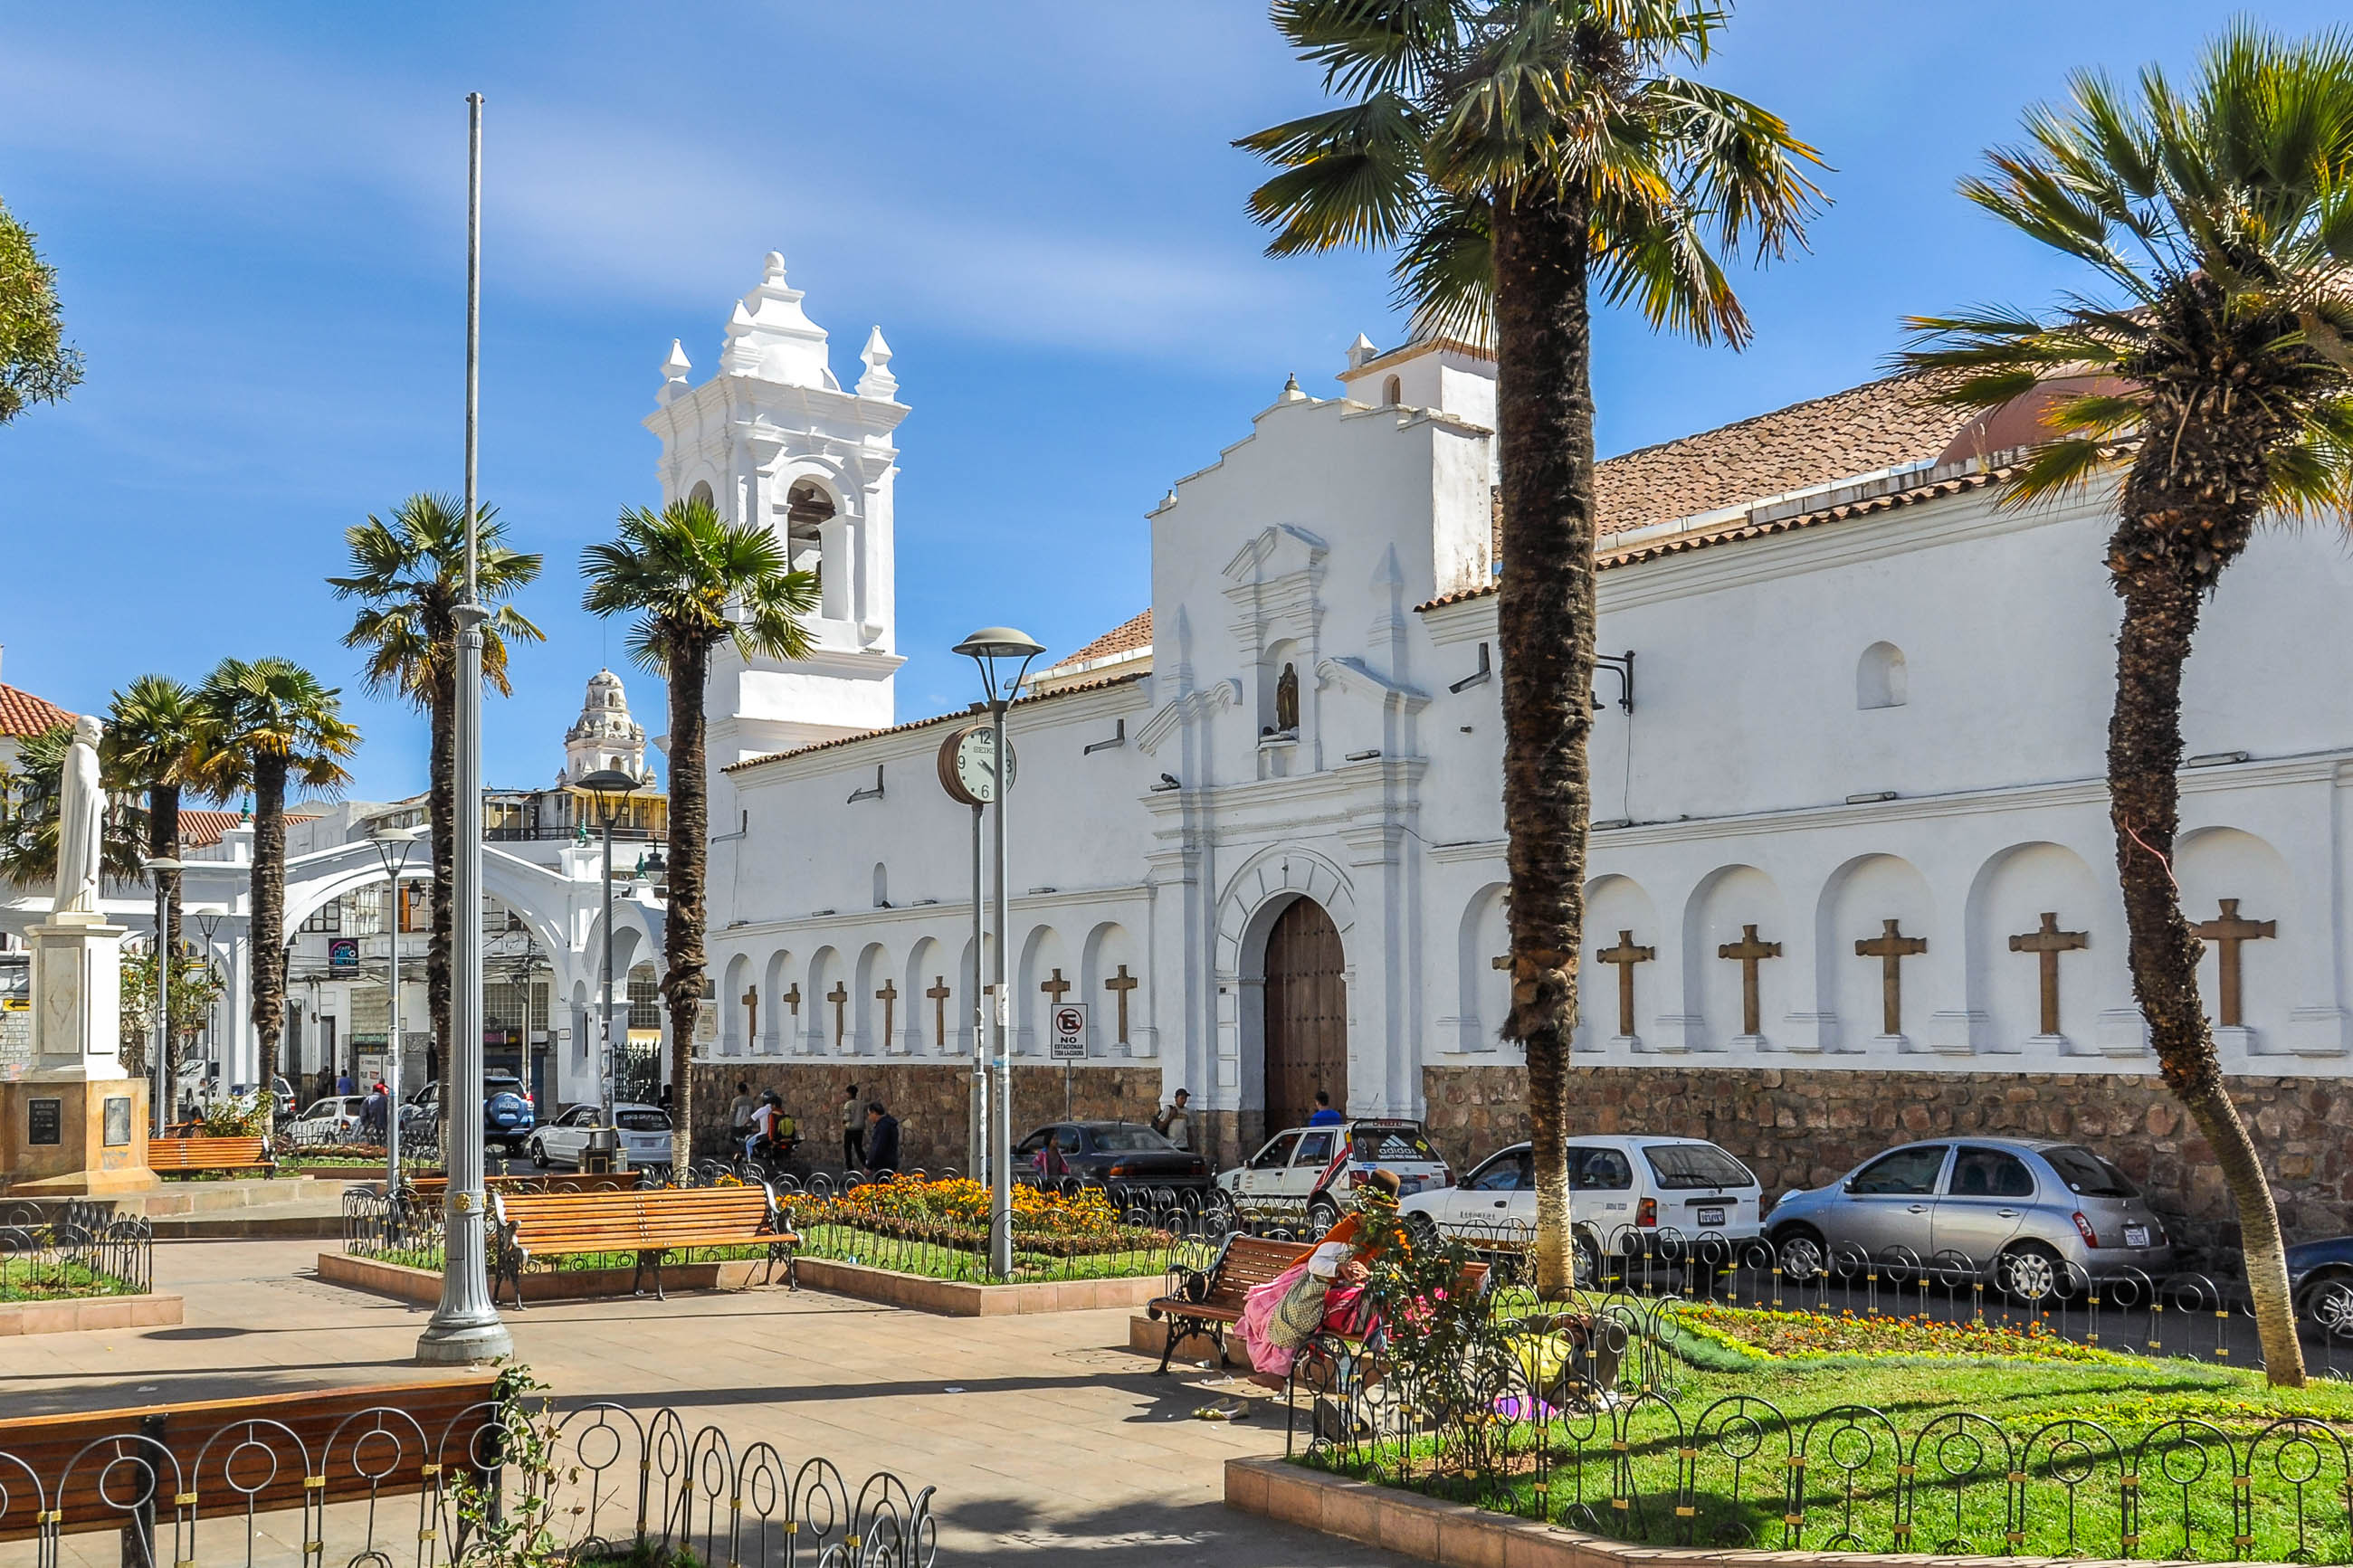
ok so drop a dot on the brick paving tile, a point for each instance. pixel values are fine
(1059, 1450)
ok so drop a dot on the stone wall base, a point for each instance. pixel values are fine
(1800, 1128)
(932, 1100)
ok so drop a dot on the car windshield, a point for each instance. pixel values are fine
(641, 1120)
(1390, 1142)
(1679, 1166)
(1130, 1141)
(2087, 1175)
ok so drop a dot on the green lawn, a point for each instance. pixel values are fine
(845, 1244)
(2022, 1453)
(58, 1282)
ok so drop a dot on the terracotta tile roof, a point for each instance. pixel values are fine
(1941, 483)
(1879, 425)
(22, 714)
(203, 829)
(1867, 429)
(961, 713)
(1125, 638)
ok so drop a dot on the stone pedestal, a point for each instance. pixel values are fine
(77, 1123)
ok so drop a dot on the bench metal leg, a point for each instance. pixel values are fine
(638, 1275)
(1182, 1328)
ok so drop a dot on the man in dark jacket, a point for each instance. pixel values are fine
(881, 1140)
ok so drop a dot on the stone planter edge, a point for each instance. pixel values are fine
(154, 1310)
(1462, 1536)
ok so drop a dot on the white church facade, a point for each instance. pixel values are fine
(1851, 876)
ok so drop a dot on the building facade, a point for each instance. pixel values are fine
(1851, 876)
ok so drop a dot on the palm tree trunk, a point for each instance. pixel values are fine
(267, 935)
(2144, 801)
(441, 814)
(689, 812)
(1543, 629)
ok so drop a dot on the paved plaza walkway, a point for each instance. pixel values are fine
(1047, 1446)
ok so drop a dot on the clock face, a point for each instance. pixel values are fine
(976, 764)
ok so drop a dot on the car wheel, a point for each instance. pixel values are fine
(2328, 1304)
(2030, 1273)
(1585, 1261)
(1323, 1214)
(1802, 1253)
(539, 1153)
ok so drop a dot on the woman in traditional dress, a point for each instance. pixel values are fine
(1324, 1290)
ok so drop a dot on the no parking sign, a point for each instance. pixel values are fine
(1070, 1021)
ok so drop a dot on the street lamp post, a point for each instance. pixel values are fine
(156, 867)
(466, 1328)
(605, 784)
(991, 647)
(388, 840)
(208, 923)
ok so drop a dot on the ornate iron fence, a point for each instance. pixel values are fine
(596, 1484)
(74, 1248)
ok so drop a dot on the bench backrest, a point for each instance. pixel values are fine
(434, 1188)
(1249, 1261)
(379, 1440)
(203, 1153)
(624, 1221)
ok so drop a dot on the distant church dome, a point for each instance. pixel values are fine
(603, 736)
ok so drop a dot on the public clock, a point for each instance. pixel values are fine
(968, 766)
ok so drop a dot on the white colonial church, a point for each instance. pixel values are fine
(1853, 844)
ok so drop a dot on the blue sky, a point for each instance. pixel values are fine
(258, 214)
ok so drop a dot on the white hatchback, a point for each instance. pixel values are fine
(1624, 1193)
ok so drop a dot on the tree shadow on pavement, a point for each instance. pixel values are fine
(1144, 1532)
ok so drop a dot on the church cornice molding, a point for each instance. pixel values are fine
(2331, 768)
(1351, 674)
(1384, 789)
(958, 911)
(1208, 701)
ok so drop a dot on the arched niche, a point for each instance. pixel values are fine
(1482, 991)
(1740, 908)
(1881, 679)
(1110, 973)
(1620, 918)
(2008, 898)
(2217, 863)
(1857, 903)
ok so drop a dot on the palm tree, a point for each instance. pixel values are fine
(411, 575)
(261, 724)
(693, 581)
(1519, 154)
(150, 744)
(28, 829)
(2216, 381)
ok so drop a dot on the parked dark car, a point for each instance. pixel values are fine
(508, 1115)
(1109, 1151)
(2320, 1283)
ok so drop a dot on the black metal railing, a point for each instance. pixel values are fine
(74, 1249)
(597, 1483)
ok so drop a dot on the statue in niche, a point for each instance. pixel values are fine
(1286, 701)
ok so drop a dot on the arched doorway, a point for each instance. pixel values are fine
(1307, 998)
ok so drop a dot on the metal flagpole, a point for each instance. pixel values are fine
(466, 1326)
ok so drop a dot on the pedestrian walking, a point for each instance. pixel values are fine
(881, 1141)
(853, 1130)
(1172, 1123)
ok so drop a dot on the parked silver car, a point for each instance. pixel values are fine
(2029, 1214)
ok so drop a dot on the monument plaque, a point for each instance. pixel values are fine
(117, 1112)
(45, 1122)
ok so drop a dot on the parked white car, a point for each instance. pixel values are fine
(1622, 1191)
(334, 1119)
(1320, 1166)
(645, 1135)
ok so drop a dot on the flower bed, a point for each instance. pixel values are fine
(940, 1228)
(1744, 1337)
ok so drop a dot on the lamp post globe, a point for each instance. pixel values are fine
(155, 866)
(608, 786)
(994, 649)
(393, 845)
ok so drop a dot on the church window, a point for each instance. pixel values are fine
(1879, 678)
(701, 492)
(1392, 392)
(881, 887)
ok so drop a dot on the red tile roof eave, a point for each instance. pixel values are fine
(962, 714)
(1685, 543)
(23, 715)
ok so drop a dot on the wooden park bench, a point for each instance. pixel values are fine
(651, 1224)
(182, 1156)
(233, 1458)
(1213, 1299)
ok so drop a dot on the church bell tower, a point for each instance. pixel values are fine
(773, 439)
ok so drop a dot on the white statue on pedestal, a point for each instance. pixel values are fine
(81, 824)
